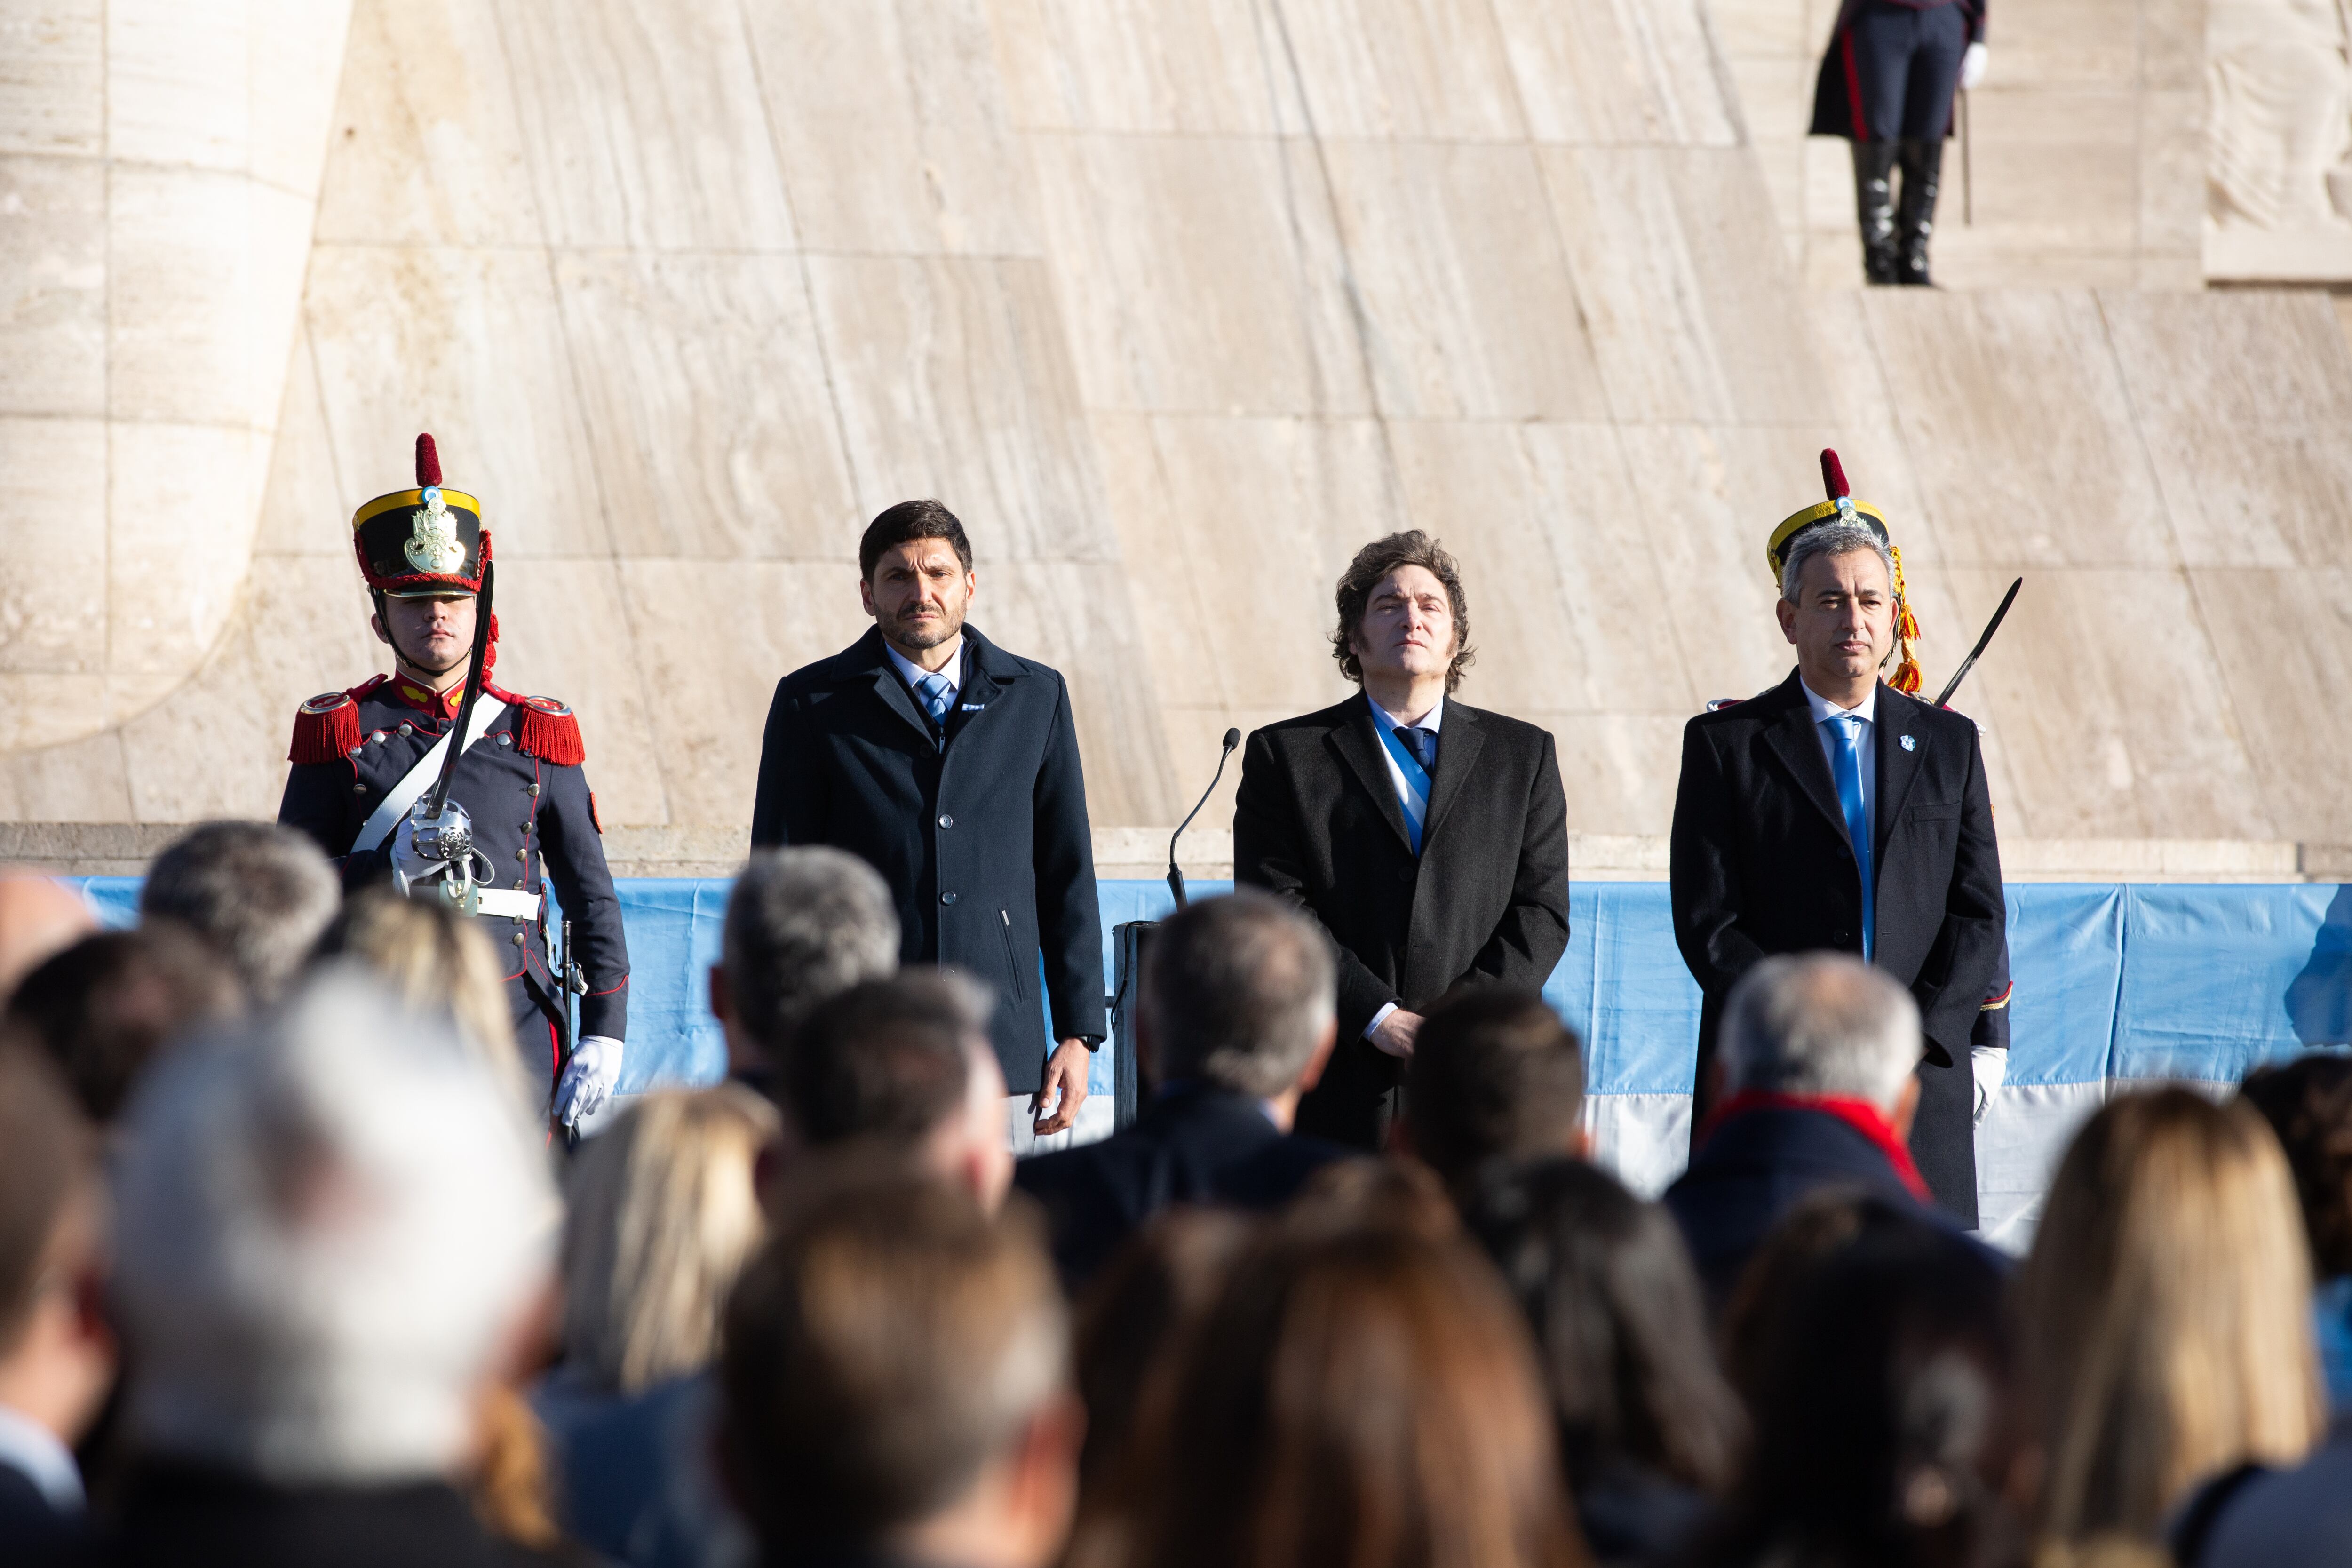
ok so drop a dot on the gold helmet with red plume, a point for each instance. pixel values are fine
(1842, 507)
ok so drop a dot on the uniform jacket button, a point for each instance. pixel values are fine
(946, 821)
(505, 739)
(518, 939)
(532, 786)
(408, 729)
(947, 898)
(524, 853)
(1842, 938)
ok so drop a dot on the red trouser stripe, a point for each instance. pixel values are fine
(1853, 86)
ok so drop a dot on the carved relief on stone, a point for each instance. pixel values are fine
(2278, 80)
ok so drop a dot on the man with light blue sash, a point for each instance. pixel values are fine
(1428, 836)
(1838, 812)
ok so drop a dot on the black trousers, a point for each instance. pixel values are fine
(1902, 67)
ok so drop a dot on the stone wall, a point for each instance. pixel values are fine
(1176, 302)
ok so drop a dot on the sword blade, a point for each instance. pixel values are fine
(1991, 626)
(473, 691)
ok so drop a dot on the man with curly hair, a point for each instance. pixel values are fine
(1428, 836)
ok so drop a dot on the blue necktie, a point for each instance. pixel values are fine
(1857, 820)
(1423, 745)
(937, 696)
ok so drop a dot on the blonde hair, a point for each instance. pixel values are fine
(2165, 1313)
(436, 960)
(664, 1213)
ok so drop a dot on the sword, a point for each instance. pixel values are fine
(1991, 626)
(440, 796)
(1968, 179)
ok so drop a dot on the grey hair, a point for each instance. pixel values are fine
(1237, 992)
(803, 924)
(1837, 537)
(330, 1220)
(259, 893)
(1820, 1024)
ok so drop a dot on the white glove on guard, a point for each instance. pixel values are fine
(1990, 1066)
(1972, 67)
(409, 864)
(589, 1079)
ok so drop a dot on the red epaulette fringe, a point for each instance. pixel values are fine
(326, 728)
(549, 731)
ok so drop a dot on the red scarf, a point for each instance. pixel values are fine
(1859, 1114)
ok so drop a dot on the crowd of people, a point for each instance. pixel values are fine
(292, 1272)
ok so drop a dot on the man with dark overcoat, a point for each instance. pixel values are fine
(950, 765)
(1428, 836)
(1837, 812)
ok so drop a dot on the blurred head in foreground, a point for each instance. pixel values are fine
(1494, 1078)
(438, 962)
(332, 1221)
(260, 894)
(903, 1066)
(1605, 1283)
(662, 1213)
(1237, 997)
(803, 924)
(1884, 1426)
(896, 1379)
(38, 916)
(57, 1353)
(1364, 1395)
(106, 1006)
(2308, 1103)
(2167, 1313)
(1823, 1025)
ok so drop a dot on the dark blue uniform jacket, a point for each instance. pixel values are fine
(535, 820)
(982, 833)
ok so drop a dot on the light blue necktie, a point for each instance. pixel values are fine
(937, 695)
(1857, 820)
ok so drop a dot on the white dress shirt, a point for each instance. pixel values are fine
(1433, 722)
(914, 674)
(28, 1447)
(1823, 711)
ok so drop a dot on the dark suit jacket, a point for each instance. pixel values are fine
(984, 840)
(188, 1517)
(1756, 1167)
(31, 1531)
(1761, 866)
(1193, 1145)
(1317, 822)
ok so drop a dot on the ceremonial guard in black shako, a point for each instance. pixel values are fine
(1887, 84)
(489, 829)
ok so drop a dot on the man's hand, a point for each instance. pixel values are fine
(1064, 1089)
(1396, 1033)
(589, 1078)
(1972, 66)
(1989, 1065)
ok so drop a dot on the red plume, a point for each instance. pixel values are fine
(428, 462)
(1832, 475)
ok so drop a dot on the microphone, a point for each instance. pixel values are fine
(1175, 875)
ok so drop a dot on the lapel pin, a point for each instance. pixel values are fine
(1910, 744)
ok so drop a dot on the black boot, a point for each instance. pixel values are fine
(1923, 171)
(1874, 202)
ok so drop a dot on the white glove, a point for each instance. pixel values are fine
(1990, 1066)
(588, 1078)
(1972, 67)
(410, 864)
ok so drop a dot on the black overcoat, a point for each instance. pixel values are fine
(1761, 865)
(1317, 822)
(983, 839)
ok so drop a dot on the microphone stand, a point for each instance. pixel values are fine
(1175, 873)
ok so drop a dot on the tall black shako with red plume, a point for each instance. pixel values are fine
(427, 543)
(1841, 507)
